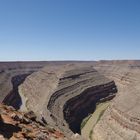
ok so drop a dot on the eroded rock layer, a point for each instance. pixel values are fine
(62, 95)
(121, 120)
(12, 74)
(65, 95)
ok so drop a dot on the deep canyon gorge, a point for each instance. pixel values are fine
(63, 94)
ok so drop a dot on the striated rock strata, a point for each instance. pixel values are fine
(121, 121)
(12, 74)
(65, 95)
(12, 71)
(62, 95)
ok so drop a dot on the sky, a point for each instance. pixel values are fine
(69, 30)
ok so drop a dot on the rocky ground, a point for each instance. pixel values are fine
(15, 125)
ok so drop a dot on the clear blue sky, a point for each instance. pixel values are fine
(69, 29)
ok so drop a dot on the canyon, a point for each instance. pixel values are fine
(121, 121)
(63, 94)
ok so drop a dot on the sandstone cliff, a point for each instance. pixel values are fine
(65, 95)
(12, 74)
(121, 120)
(62, 95)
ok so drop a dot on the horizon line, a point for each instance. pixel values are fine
(69, 60)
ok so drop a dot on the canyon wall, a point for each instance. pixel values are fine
(62, 94)
(12, 74)
(121, 121)
(65, 95)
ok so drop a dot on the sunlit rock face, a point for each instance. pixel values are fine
(13, 74)
(65, 95)
(121, 120)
